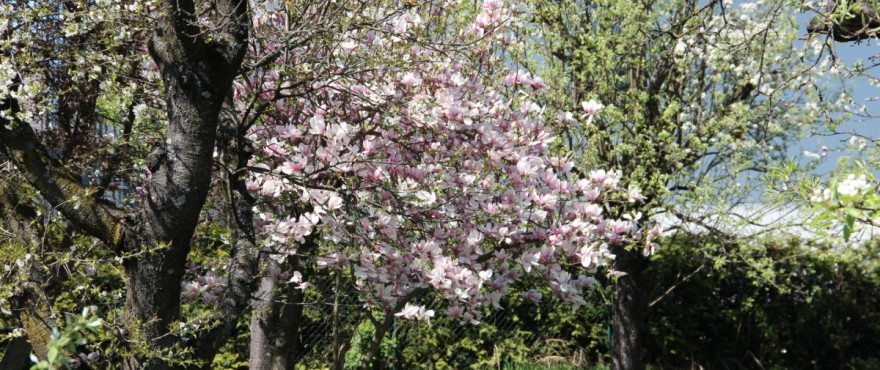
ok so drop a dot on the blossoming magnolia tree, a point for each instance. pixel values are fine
(377, 137)
(423, 177)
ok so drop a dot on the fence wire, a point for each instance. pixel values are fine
(442, 343)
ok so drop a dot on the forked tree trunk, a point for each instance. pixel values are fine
(197, 67)
(197, 79)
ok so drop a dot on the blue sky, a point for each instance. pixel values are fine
(863, 92)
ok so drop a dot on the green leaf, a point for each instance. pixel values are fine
(52, 355)
(853, 212)
(848, 227)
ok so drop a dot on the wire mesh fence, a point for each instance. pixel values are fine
(501, 336)
(713, 321)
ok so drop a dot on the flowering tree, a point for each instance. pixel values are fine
(697, 99)
(847, 197)
(422, 177)
(376, 138)
(54, 42)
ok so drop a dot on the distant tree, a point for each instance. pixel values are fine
(700, 99)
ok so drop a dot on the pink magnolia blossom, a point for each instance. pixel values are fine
(533, 296)
(492, 5)
(591, 107)
(412, 311)
(411, 79)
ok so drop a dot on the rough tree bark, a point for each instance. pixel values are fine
(264, 322)
(16, 355)
(627, 311)
(19, 221)
(275, 326)
(197, 78)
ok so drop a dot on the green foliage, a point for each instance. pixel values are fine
(361, 342)
(234, 353)
(551, 366)
(815, 309)
(523, 333)
(782, 303)
(77, 331)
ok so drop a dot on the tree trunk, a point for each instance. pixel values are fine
(373, 358)
(264, 322)
(628, 308)
(197, 79)
(234, 153)
(275, 326)
(288, 346)
(17, 355)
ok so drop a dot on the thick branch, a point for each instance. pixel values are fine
(197, 77)
(41, 281)
(19, 217)
(234, 32)
(383, 327)
(862, 23)
(235, 152)
(19, 143)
